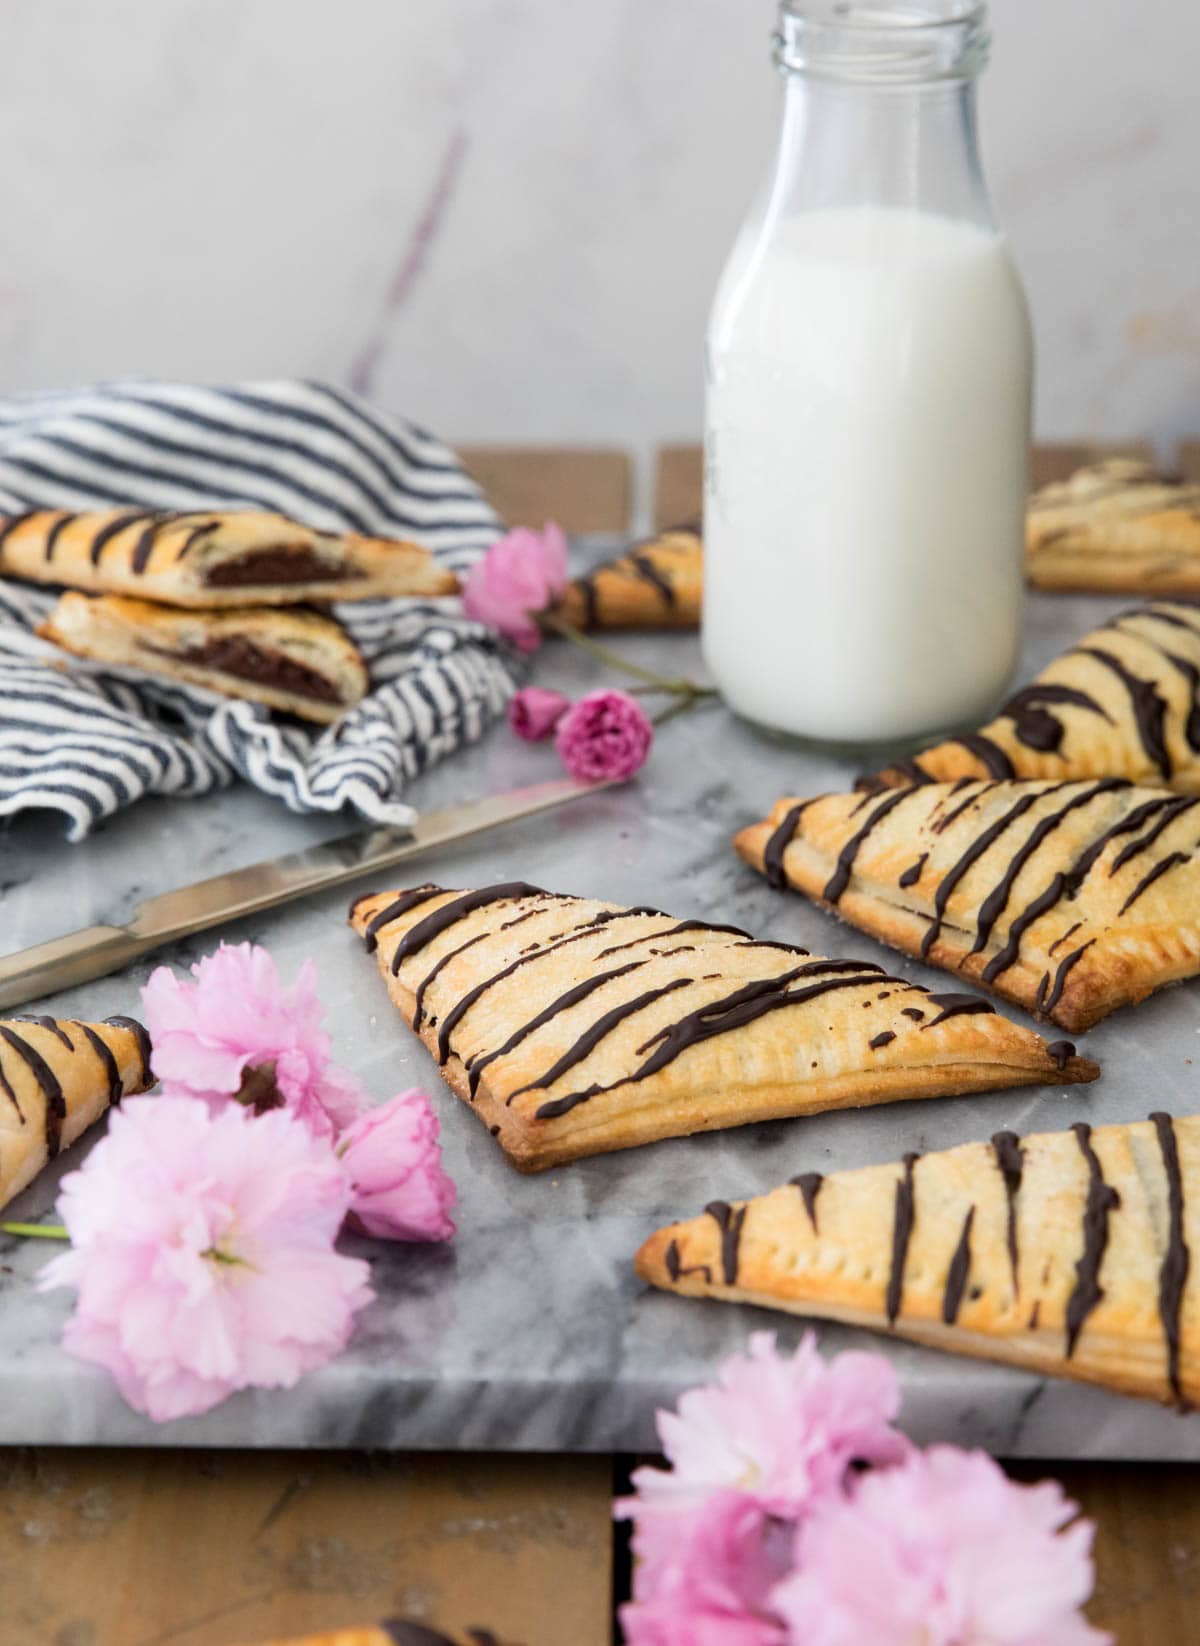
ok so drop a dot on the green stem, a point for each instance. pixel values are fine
(654, 682)
(36, 1231)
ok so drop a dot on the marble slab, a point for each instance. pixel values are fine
(532, 1332)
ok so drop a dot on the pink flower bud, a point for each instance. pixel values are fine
(534, 712)
(521, 575)
(394, 1162)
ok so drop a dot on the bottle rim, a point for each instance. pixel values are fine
(883, 42)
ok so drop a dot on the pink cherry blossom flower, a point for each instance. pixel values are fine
(942, 1551)
(709, 1575)
(534, 712)
(782, 1429)
(521, 575)
(394, 1162)
(236, 1032)
(202, 1254)
(605, 735)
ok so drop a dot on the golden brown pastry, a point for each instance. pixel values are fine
(1070, 899)
(1124, 702)
(396, 1631)
(57, 1077)
(297, 661)
(574, 1027)
(211, 558)
(656, 585)
(1067, 1252)
(1117, 525)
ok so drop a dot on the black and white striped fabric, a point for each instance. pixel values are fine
(87, 741)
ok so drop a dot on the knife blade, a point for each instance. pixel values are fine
(95, 951)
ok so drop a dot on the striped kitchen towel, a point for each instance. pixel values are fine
(87, 741)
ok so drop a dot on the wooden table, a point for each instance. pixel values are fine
(169, 1548)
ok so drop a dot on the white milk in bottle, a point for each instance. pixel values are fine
(868, 389)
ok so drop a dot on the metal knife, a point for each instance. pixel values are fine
(95, 951)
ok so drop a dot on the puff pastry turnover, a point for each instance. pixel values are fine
(214, 558)
(1117, 525)
(57, 1077)
(289, 659)
(1124, 702)
(1070, 899)
(657, 585)
(395, 1632)
(575, 1027)
(1067, 1252)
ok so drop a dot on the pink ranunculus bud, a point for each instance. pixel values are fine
(605, 735)
(521, 575)
(393, 1159)
(534, 712)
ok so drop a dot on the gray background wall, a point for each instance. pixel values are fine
(507, 216)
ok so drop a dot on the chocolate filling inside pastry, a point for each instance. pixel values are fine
(235, 655)
(277, 565)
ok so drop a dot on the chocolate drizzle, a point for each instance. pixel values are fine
(1010, 1158)
(140, 557)
(990, 755)
(1102, 1199)
(675, 1267)
(52, 1092)
(730, 1223)
(55, 532)
(586, 1044)
(957, 1005)
(779, 842)
(563, 1002)
(1177, 1259)
(50, 1024)
(913, 873)
(141, 1040)
(13, 522)
(1163, 866)
(881, 1040)
(645, 568)
(958, 1272)
(968, 859)
(194, 536)
(107, 532)
(1060, 885)
(463, 1005)
(457, 909)
(1033, 723)
(840, 878)
(1170, 811)
(902, 1225)
(1046, 1002)
(809, 1185)
(393, 910)
(107, 1061)
(1149, 709)
(1061, 1051)
(753, 1000)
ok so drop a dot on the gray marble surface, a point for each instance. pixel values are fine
(532, 1332)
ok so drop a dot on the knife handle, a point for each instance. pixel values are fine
(78, 957)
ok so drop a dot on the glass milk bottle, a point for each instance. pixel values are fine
(868, 371)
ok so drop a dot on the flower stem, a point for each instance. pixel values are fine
(653, 681)
(36, 1231)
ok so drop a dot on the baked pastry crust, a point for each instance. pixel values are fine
(289, 659)
(656, 585)
(1066, 1252)
(212, 558)
(1117, 525)
(1124, 702)
(1070, 899)
(574, 1027)
(57, 1076)
(394, 1632)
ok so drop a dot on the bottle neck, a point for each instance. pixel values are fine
(910, 147)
